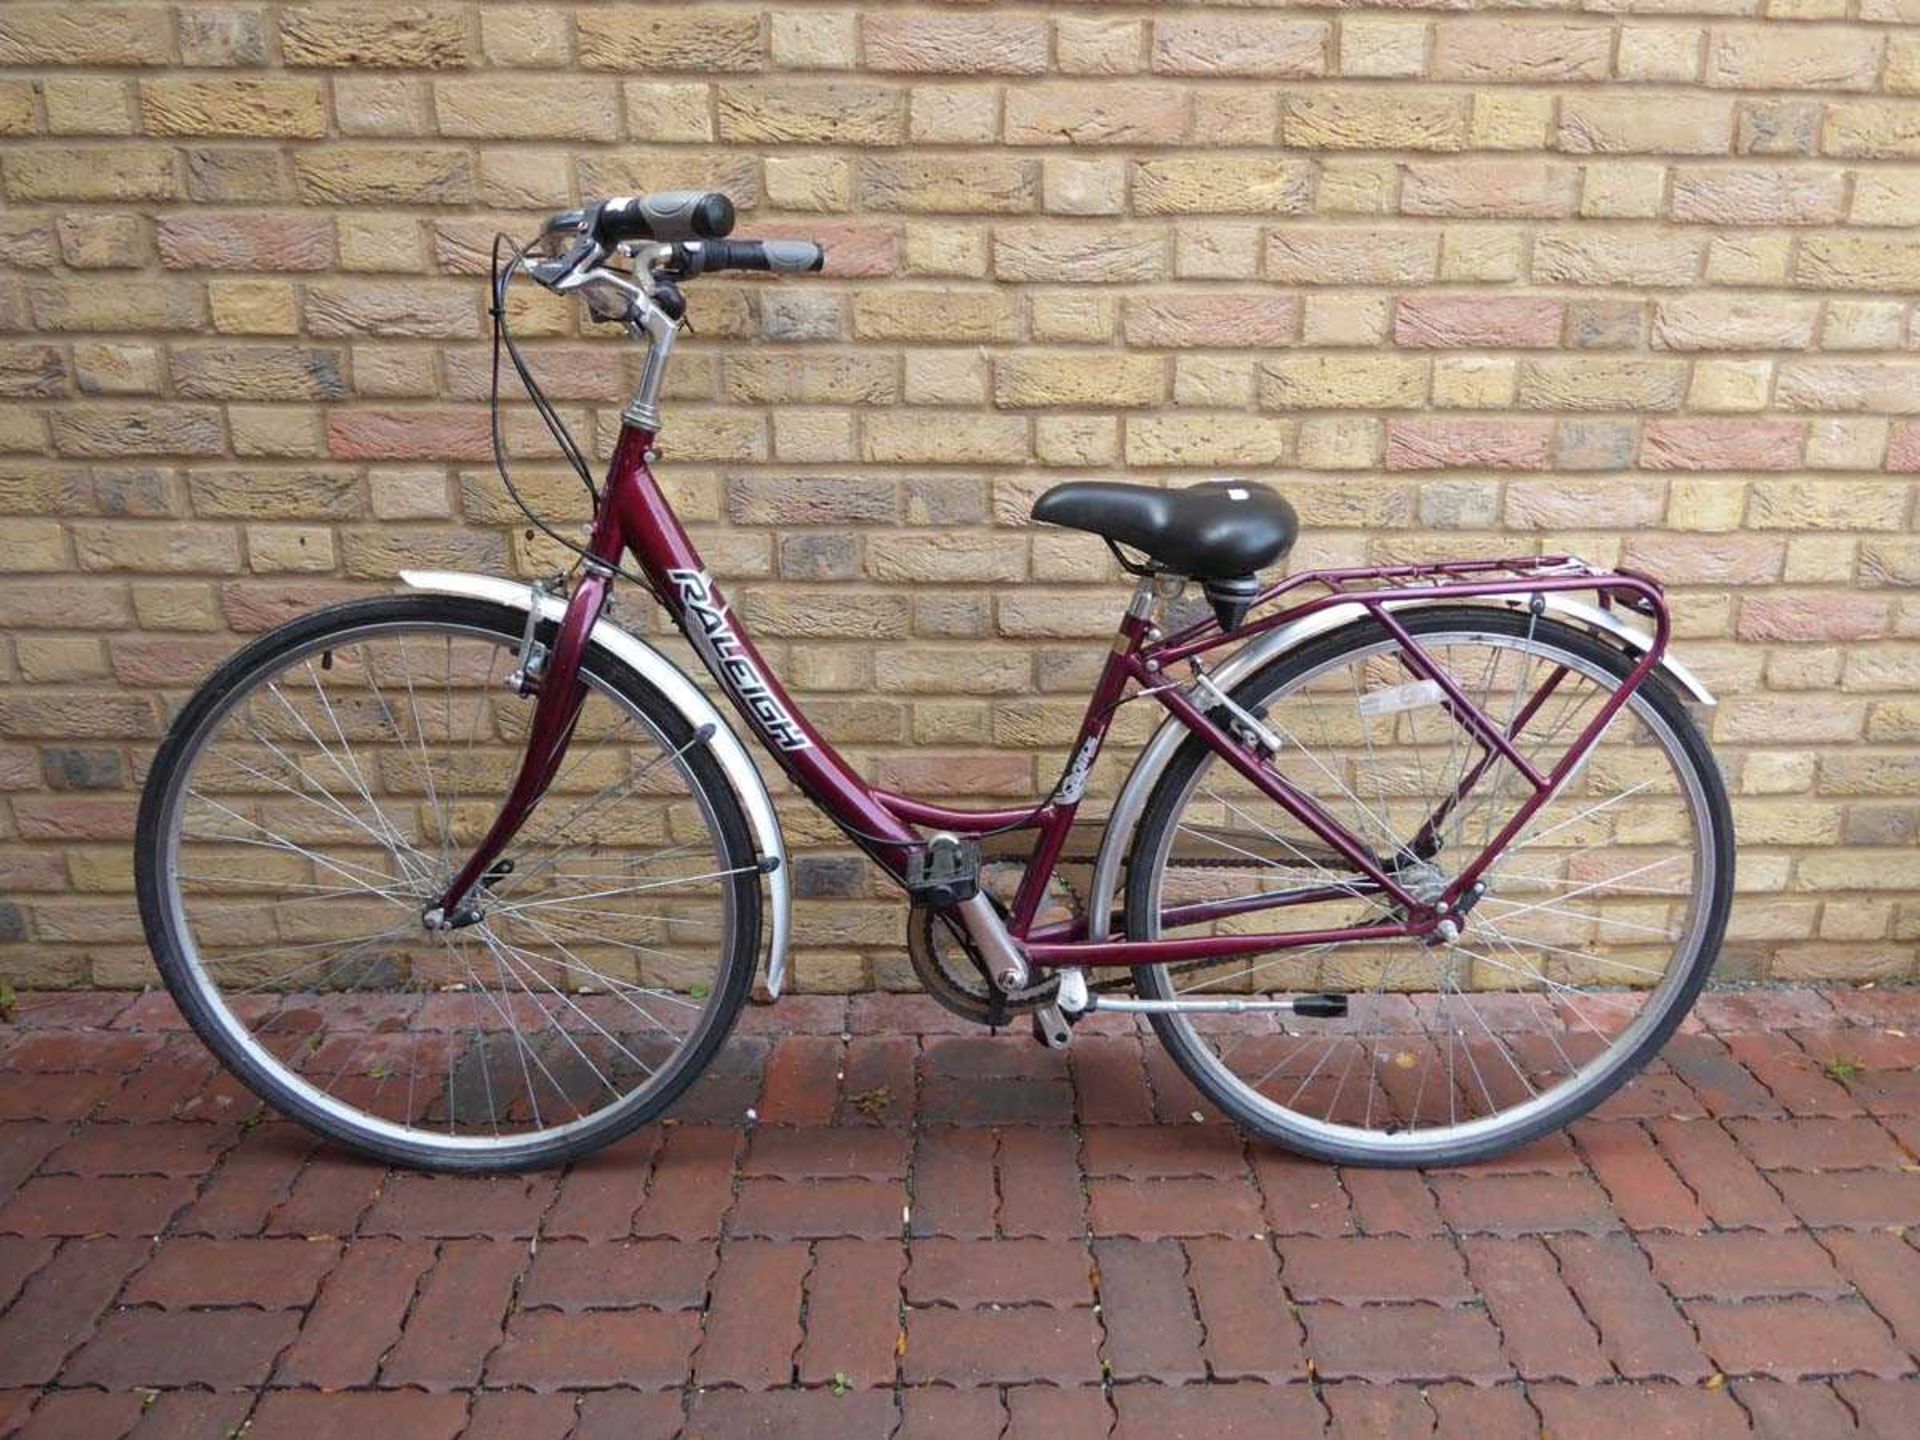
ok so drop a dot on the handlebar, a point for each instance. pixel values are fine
(689, 226)
(680, 235)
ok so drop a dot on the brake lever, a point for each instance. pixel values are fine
(564, 272)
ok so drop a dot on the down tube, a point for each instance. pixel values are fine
(637, 516)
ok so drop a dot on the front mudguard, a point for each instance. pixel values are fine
(694, 706)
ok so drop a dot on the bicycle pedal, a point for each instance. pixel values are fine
(944, 872)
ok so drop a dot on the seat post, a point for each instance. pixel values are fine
(1141, 605)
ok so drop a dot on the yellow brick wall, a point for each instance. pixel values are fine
(1632, 281)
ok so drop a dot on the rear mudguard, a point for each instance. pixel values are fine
(1102, 896)
(681, 693)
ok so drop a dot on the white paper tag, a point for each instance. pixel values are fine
(1416, 695)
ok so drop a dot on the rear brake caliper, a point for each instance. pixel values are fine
(1247, 726)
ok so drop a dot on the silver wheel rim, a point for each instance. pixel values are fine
(353, 1119)
(1591, 1077)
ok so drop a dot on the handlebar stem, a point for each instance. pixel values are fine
(645, 318)
(648, 318)
(661, 329)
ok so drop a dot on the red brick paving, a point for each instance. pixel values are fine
(934, 1233)
(1544, 1331)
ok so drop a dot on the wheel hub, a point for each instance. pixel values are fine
(438, 921)
(1427, 883)
(1423, 880)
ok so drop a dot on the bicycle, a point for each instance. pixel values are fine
(471, 878)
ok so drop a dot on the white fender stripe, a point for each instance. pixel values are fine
(688, 699)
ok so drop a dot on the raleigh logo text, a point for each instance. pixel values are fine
(712, 631)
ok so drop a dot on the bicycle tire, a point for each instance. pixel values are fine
(214, 1022)
(1188, 1050)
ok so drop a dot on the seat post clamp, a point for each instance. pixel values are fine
(1144, 594)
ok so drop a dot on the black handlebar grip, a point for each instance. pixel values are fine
(671, 216)
(732, 255)
(784, 257)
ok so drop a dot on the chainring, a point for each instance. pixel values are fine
(950, 968)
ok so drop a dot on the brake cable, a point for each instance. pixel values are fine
(503, 340)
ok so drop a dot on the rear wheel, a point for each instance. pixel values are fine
(1600, 920)
(307, 808)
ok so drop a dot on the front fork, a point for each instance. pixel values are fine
(556, 678)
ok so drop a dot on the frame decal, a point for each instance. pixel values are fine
(1074, 784)
(713, 632)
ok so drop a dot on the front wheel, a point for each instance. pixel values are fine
(316, 795)
(1600, 919)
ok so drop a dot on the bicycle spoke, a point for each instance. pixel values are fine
(396, 842)
(426, 762)
(532, 962)
(503, 954)
(628, 889)
(556, 931)
(619, 988)
(343, 868)
(545, 860)
(1592, 918)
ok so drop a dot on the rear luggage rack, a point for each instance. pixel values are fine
(1381, 588)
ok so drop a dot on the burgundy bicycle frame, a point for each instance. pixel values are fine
(635, 518)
